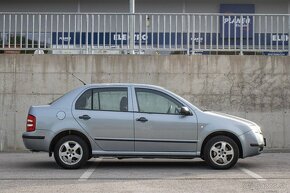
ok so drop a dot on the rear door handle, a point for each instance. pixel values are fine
(142, 119)
(85, 117)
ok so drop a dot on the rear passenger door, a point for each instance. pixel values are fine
(106, 115)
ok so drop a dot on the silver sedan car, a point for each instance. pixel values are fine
(136, 120)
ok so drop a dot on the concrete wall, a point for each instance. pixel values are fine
(254, 87)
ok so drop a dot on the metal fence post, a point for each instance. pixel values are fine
(87, 34)
(188, 34)
(241, 35)
(288, 35)
(131, 36)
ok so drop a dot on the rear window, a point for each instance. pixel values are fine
(85, 101)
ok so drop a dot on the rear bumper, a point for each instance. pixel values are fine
(38, 140)
(25, 136)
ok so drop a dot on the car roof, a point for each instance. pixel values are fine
(122, 84)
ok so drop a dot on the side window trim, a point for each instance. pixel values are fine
(92, 101)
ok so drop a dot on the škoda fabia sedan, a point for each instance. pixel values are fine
(134, 120)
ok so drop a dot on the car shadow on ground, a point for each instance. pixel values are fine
(146, 164)
(132, 164)
(120, 164)
(37, 165)
(249, 165)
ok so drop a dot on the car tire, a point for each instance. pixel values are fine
(71, 152)
(221, 152)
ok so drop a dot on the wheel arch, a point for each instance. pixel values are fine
(223, 133)
(66, 133)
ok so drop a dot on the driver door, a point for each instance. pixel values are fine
(159, 127)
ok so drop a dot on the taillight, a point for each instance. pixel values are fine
(30, 125)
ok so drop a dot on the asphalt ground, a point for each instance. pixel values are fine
(36, 172)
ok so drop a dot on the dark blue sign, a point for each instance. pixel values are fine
(231, 26)
(275, 53)
(118, 38)
(166, 39)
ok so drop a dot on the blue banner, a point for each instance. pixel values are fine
(166, 39)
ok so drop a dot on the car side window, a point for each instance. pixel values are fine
(151, 101)
(104, 99)
(84, 102)
(113, 99)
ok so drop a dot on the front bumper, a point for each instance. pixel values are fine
(259, 145)
(38, 140)
(253, 143)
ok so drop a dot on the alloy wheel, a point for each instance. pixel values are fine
(70, 152)
(221, 153)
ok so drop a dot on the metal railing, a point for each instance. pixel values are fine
(144, 33)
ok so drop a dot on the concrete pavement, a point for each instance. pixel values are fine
(36, 172)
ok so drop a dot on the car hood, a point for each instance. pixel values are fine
(227, 121)
(232, 118)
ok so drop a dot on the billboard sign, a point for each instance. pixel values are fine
(231, 26)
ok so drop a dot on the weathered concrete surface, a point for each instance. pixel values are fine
(36, 172)
(254, 87)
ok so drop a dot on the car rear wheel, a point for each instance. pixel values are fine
(71, 152)
(221, 152)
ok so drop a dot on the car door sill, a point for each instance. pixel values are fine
(145, 154)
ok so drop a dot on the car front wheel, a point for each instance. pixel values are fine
(221, 152)
(71, 152)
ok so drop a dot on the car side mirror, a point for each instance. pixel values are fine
(185, 111)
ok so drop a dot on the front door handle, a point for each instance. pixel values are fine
(85, 117)
(142, 119)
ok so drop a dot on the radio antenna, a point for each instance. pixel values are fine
(78, 79)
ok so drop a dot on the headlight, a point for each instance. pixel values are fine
(256, 129)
